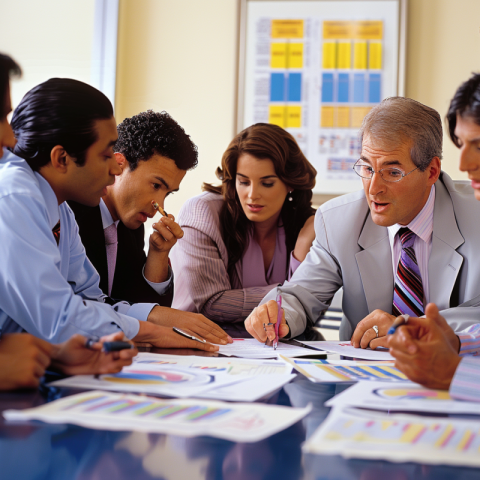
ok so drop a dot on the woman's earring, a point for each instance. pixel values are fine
(290, 198)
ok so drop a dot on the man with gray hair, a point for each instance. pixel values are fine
(408, 239)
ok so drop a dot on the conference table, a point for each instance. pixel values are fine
(34, 450)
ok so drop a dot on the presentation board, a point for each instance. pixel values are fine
(316, 68)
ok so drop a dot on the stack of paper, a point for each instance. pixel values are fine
(398, 438)
(112, 411)
(346, 349)
(190, 376)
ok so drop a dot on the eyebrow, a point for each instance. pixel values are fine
(261, 178)
(390, 162)
(167, 186)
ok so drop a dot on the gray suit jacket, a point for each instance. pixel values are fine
(352, 252)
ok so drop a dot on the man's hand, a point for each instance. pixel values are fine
(305, 239)
(364, 335)
(74, 358)
(165, 234)
(165, 337)
(197, 324)
(23, 360)
(257, 322)
(425, 351)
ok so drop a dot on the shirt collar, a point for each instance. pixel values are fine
(422, 224)
(107, 218)
(51, 200)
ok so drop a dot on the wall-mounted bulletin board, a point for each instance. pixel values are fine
(316, 68)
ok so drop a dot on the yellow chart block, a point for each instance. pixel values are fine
(276, 115)
(278, 55)
(329, 59)
(411, 432)
(360, 55)
(358, 114)
(295, 55)
(343, 117)
(287, 28)
(344, 55)
(375, 55)
(327, 117)
(368, 30)
(294, 117)
(337, 30)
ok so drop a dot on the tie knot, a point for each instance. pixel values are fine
(407, 237)
(110, 234)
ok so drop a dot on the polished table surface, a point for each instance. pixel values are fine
(44, 451)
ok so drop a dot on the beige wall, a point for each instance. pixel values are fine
(48, 38)
(180, 56)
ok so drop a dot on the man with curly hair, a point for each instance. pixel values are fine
(154, 154)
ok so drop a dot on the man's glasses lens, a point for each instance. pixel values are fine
(388, 174)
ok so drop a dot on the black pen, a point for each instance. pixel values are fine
(109, 347)
(187, 335)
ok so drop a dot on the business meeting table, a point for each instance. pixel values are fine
(34, 450)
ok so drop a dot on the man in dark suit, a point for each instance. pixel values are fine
(154, 154)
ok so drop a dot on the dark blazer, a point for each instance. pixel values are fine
(128, 281)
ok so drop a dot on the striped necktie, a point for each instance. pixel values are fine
(56, 232)
(408, 293)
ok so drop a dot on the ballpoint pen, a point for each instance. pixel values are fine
(400, 320)
(279, 319)
(109, 347)
(187, 335)
(157, 207)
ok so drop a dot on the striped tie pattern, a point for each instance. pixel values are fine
(56, 232)
(408, 293)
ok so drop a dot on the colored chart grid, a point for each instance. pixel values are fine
(286, 54)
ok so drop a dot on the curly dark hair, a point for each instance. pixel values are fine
(466, 103)
(264, 141)
(150, 133)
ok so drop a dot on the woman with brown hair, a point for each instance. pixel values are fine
(248, 235)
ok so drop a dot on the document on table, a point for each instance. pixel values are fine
(346, 349)
(345, 371)
(191, 376)
(251, 348)
(408, 397)
(99, 410)
(356, 433)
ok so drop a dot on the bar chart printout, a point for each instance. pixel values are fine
(112, 411)
(399, 438)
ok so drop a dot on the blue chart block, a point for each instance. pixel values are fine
(374, 84)
(294, 87)
(327, 87)
(359, 88)
(277, 87)
(343, 87)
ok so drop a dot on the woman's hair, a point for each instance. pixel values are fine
(466, 103)
(8, 68)
(264, 141)
(60, 111)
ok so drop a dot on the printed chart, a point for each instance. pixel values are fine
(112, 411)
(327, 371)
(409, 397)
(399, 438)
(316, 69)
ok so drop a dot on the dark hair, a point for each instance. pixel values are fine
(264, 141)
(466, 103)
(60, 111)
(8, 68)
(150, 133)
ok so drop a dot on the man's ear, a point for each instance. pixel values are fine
(121, 160)
(434, 170)
(60, 159)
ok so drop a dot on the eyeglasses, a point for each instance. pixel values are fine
(389, 174)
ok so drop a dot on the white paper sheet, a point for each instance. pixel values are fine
(397, 438)
(191, 376)
(344, 348)
(237, 422)
(345, 371)
(251, 348)
(407, 397)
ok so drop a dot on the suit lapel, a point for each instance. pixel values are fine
(445, 262)
(375, 266)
